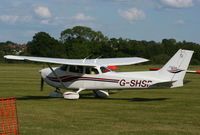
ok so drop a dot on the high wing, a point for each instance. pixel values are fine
(82, 62)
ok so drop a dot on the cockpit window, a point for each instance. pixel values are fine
(91, 70)
(64, 67)
(105, 69)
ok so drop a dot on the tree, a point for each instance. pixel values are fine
(82, 32)
(78, 51)
(170, 46)
(44, 45)
(81, 42)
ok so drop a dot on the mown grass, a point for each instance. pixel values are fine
(128, 112)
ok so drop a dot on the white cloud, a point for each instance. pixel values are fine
(132, 14)
(45, 21)
(12, 19)
(180, 22)
(9, 18)
(43, 12)
(25, 18)
(83, 17)
(178, 3)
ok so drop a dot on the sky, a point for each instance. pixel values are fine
(130, 19)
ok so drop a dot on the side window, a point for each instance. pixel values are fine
(76, 69)
(64, 67)
(94, 71)
(87, 70)
(79, 69)
(91, 70)
(72, 69)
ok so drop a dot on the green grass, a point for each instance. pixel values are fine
(128, 112)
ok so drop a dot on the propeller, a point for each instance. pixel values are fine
(41, 84)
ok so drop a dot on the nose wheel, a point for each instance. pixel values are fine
(72, 95)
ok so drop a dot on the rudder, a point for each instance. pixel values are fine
(175, 69)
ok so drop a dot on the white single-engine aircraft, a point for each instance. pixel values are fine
(94, 74)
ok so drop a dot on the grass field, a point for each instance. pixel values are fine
(129, 112)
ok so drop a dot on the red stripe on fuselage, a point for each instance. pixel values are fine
(73, 78)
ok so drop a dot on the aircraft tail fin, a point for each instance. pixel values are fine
(175, 69)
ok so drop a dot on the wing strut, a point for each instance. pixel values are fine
(54, 73)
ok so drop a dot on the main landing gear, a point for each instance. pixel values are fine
(100, 93)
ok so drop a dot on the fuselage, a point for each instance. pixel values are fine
(94, 78)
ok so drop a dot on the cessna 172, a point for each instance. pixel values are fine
(94, 74)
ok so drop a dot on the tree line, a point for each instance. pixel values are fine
(80, 42)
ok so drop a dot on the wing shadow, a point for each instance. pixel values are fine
(127, 99)
(90, 96)
(33, 98)
(149, 99)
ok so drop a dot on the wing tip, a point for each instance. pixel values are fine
(13, 57)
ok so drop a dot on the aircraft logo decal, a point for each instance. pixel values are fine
(174, 70)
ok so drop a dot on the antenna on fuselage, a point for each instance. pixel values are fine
(86, 58)
(95, 61)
